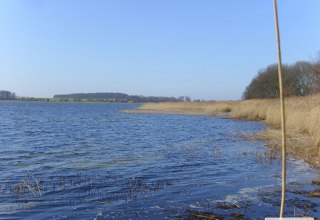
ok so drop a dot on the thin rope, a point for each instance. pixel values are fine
(282, 111)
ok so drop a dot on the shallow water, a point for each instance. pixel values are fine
(95, 162)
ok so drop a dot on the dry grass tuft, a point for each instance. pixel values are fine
(302, 119)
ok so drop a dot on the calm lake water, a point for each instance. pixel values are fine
(95, 162)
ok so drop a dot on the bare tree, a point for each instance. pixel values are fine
(299, 79)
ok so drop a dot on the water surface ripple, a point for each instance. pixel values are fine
(93, 161)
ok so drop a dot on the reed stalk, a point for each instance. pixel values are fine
(282, 112)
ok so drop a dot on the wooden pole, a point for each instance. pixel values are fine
(282, 112)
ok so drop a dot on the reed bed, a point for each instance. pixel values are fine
(194, 108)
(302, 119)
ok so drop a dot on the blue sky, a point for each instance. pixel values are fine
(207, 49)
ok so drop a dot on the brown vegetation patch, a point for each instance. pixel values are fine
(299, 146)
(237, 215)
(203, 215)
(316, 182)
(315, 193)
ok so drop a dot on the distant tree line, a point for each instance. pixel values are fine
(121, 97)
(299, 79)
(6, 95)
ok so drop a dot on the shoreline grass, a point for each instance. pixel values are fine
(302, 120)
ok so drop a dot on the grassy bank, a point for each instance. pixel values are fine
(302, 114)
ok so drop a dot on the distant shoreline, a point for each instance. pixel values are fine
(303, 120)
(58, 100)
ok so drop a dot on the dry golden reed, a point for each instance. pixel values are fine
(302, 118)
